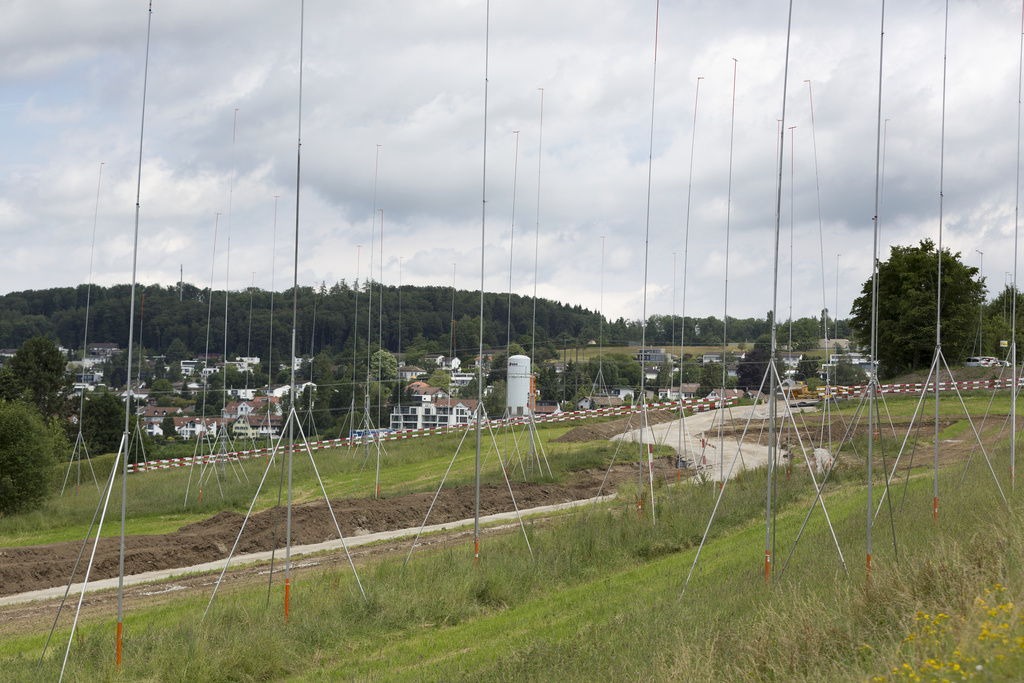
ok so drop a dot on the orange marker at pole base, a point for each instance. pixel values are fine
(767, 564)
(476, 551)
(119, 644)
(935, 513)
(869, 567)
(639, 508)
(287, 588)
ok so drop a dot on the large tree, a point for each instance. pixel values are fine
(28, 456)
(383, 365)
(38, 375)
(103, 422)
(907, 295)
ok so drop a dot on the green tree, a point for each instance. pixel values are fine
(323, 368)
(494, 401)
(664, 378)
(103, 422)
(383, 363)
(848, 374)
(750, 374)
(710, 378)
(176, 353)
(441, 379)
(28, 456)
(38, 375)
(808, 368)
(907, 294)
(167, 427)
(162, 386)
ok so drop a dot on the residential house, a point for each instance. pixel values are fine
(281, 390)
(462, 379)
(192, 426)
(260, 404)
(155, 413)
(444, 362)
(138, 392)
(256, 426)
(407, 373)
(105, 349)
(152, 416)
(546, 408)
(427, 393)
(488, 357)
(652, 355)
(440, 413)
(730, 394)
(599, 402)
(834, 344)
(246, 363)
(791, 360)
(237, 409)
(242, 394)
(681, 392)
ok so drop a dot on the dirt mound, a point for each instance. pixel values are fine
(45, 566)
(606, 430)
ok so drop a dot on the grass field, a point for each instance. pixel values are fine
(603, 598)
(157, 502)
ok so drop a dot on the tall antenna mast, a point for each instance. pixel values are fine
(536, 241)
(643, 320)
(483, 244)
(80, 440)
(772, 371)
(1016, 226)
(938, 300)
(511, 245)
(873, 379)
(131, 336)
(295, 312)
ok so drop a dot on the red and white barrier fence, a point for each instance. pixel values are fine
(693, 405)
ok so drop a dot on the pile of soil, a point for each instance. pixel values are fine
(30, 568)
(606, 430)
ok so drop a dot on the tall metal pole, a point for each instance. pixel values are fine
(981, 306)
(835, 316)
(295, 314)
(873, 380)
(131, 337)
(536, 241)
(938, 302)
(380, 348)
(1016, 225)
(483, 244)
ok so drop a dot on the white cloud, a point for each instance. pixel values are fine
(410, 77)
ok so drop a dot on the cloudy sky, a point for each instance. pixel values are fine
(393, 99)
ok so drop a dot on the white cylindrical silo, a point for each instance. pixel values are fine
(517, 396)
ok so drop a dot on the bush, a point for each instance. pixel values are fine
(28, 457)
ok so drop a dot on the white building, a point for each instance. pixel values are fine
(442, 413)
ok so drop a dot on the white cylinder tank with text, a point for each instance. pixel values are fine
(518, 390)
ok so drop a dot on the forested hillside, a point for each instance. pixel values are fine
(417, 317)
